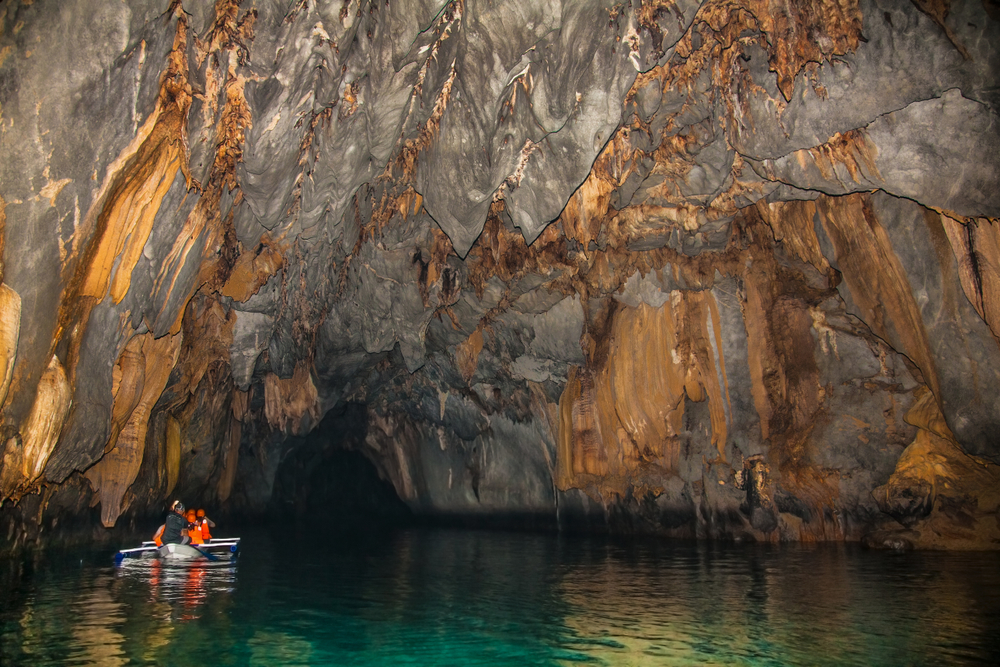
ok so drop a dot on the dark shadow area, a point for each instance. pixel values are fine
(59, 518)
(326, 483)
(498, 520)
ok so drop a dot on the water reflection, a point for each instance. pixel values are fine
(828, 605)
(96, 639)
(78, 614)
(179, 589)
(280, 648)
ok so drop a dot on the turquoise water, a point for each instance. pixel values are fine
(440, 597)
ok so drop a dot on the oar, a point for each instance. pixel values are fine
(125, 553)
(139, 550)
(208, 555)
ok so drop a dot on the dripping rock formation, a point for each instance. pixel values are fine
(699, 268)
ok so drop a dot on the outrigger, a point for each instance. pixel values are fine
(218, 549)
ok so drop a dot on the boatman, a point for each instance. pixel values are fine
(175, 526)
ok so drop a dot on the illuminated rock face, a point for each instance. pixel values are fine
(704, 269)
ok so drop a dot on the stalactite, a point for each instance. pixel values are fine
(128, 379)
(628, 413)
(467, 354)
(792, 224)
(877, 280)
(848, 158)
(792, 33)
(208, 335)
(660, 357)
(287, 402)
(976, 245)
(10, 320)
(26, 452)
(114, 473)
(10, 331)
(138, 181)
(253, 268)
(171, 456)
(230, 460)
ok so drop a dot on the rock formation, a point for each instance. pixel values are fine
(716, 269)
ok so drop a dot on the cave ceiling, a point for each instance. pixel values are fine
(721, 268)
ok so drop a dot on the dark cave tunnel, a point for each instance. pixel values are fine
(326, 482)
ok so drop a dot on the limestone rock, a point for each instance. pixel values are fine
(687, 268)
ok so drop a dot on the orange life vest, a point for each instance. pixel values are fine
(158, 536)
(206, 535)
(194, 532)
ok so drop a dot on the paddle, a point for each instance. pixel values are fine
(126, 553)
(142, 549)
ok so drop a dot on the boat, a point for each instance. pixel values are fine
(217, 549)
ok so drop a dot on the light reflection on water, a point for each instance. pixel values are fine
(433, 597)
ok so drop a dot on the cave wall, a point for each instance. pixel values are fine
(706, 269)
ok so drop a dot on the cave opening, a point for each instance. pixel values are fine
(326, 482)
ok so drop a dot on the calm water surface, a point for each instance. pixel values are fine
(436, 597)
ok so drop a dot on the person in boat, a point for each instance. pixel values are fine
(206, 524)
(175, 526)
(194, 529)
(158, 535)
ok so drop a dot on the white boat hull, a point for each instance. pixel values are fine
(180, 552)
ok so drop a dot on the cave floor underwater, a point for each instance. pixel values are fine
(434, 596)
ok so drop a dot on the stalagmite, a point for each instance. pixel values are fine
(943, 496)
